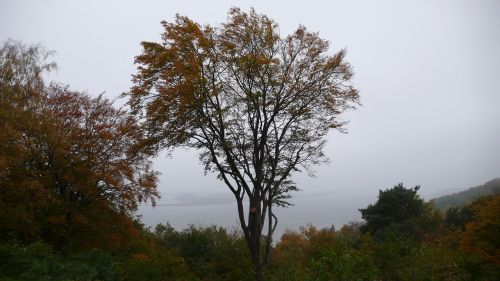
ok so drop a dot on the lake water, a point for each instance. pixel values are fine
(321, 210)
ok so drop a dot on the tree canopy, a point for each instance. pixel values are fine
(257, 106)
(65, 158)
(481, 235)
(397, 207)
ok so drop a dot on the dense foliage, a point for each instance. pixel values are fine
(442, 252)
(69, 172)
(419, 245)
(397, 208)
(213, 253)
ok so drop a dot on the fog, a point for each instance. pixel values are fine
(428, 74)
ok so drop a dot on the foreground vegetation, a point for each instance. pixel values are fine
(422, 244)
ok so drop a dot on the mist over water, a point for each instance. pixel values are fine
(322, 211)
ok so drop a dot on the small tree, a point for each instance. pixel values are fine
(397, 207)
(255, 105)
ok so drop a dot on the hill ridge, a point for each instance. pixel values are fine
(468, 195)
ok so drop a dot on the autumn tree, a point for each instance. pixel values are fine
(68, 170)
(482, 234)
(257, 106)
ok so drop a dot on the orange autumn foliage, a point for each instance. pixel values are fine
(70, 173)
(295, 248)
(481, 236)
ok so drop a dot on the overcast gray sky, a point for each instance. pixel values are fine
(428, 74)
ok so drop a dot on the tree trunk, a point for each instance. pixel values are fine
(254, 244)
(270, 232)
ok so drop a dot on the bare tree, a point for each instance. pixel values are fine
(256, 106)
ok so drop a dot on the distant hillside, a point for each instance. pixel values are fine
(467, 196)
